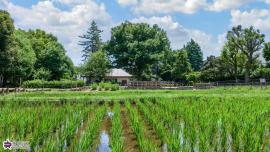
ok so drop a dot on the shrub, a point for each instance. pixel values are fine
(115, 87)
(53, 84)
(261, 72)
(107, 86)
(102, 85)
(193, 77)
(94, 86)
(99, 89)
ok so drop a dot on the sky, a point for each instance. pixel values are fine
(205, 21)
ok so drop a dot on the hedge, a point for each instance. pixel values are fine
(63, 84)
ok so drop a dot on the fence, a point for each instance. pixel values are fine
(252, 82)
(181, 86)
(151, 84)
(11, 90)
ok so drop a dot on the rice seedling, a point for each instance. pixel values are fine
(117, 141)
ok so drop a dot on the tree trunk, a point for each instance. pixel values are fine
(235, 74)
(248, 66)
(247, 75)
(235, 70)
(1, 80)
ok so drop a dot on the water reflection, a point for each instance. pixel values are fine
(104, 145)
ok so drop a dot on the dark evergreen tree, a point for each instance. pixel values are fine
(182, 66)
(195, 55)
(91, 41)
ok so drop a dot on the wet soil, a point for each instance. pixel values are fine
(130, 142)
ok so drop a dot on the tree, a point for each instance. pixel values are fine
(182, 66)
(136, 47)
(7, 54)
(261, 72)
(91, 41)
(195, 55)
(213, 69)
(248, 41)
(51, 55)
(97, 66)
(167, 63)
(26, 58)
(233, 59)
(42, 74)
(266, 52)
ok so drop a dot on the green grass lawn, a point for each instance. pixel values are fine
(124, 94)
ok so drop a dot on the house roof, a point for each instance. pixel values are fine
(118, 73)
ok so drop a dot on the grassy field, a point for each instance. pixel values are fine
(219, 119)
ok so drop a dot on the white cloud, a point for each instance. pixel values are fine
(67, 25)
(220, 5)
(168, 6)
(183, 6)
(259, 18)
(180, 35)
(127, 2)
(3, 4)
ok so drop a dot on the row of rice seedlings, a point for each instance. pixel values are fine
(117, 142)
(163, 123)
(196, 131)
(69, 129)
(17, 122)
(222, 125)
(172, 139)
(49, 120)
(144, 144)
(87, 139)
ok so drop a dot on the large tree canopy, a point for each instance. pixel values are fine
(51, 55)
(26, 58)
(249, 41)
(136, 47)
(233, 60)
(7, 53)
(195, 55)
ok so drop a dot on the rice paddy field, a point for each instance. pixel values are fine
(219, 119)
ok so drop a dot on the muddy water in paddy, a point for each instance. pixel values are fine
(151, 134)
(105, 133)
(130, 142)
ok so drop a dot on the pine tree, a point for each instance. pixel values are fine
(195, 55)
(91, 41)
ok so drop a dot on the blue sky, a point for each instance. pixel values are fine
(206, 21)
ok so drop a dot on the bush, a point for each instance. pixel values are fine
(261, 72)
(193, 77)
(115, 87)
(107, 86)
(94, 86)
(102, 85)
(63, 84)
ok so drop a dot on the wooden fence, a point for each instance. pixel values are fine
(11, 90)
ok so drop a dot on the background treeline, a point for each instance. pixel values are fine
(141, 49)
(145, 52)
(27, 55)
